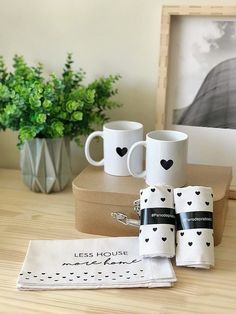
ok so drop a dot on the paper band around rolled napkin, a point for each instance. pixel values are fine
(91, 264)
(150, 216)
(194, 221)
(157, 226)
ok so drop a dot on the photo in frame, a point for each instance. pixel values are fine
(197, 81)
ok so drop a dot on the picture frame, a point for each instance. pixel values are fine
(182, 14)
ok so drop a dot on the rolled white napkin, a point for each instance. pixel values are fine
(91, 264)
(157, 222)
(194, 218)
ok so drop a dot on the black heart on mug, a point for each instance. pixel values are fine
(166, 164)
(121, 151)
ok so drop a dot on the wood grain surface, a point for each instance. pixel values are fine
(25, 215)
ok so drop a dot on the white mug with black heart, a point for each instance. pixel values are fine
(118, 137)
(166, 158)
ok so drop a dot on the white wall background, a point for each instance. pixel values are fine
(105, 36)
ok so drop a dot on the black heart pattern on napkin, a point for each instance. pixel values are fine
(44, 266)
(194, 208)
(121, 151)
(156, 201)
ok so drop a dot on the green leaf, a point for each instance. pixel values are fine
(77, 115)
(47, 104)
(27, 133)
(71, 105)
(40, 118)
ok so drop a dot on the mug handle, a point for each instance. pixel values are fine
(129, 164)
(86, 149)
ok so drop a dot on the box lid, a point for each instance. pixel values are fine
(95, 186)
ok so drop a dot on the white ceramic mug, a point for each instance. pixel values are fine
(118, 137)
(166, 158)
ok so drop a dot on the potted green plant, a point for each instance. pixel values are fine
(48, 113)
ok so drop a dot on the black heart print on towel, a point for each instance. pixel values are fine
(194, 224)
(157, 220)
(121, 151)
(166, 164)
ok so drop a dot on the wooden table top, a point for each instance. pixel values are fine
(25, 215)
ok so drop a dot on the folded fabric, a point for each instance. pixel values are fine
(91, 264)
(157, 222)
(194, 217)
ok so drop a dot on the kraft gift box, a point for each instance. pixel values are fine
(98, 194)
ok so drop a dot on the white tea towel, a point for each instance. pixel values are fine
(91, 264)
(157, 222)
(194, 218)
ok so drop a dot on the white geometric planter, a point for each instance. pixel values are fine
(45, 164)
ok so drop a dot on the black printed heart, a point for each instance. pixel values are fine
(190, 243)
(207, 203)
(169, 190)
(163, 199)
(153, 190)
(211, 195)
(164, 239)
(208, 243)
(154, 229)
(140, 230)
(181, 233)
(146, 240)
(197, 192)
(179, 194)
(121, 151)
(189, 203)
(199, 232)
(166, 164)
(171, 229)
(145, 200)
(141, 193)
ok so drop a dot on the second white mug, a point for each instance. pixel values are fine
(166, 158)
